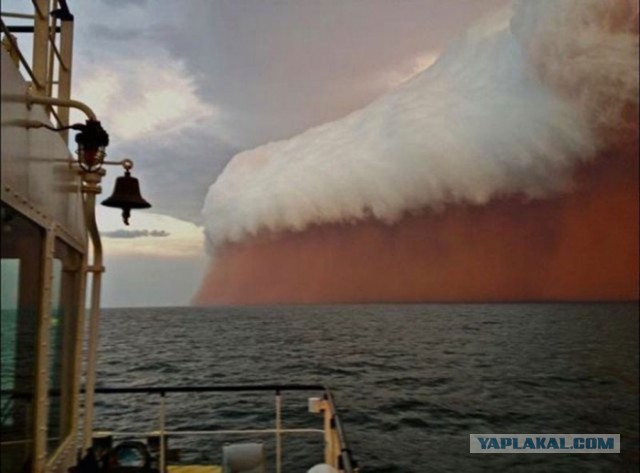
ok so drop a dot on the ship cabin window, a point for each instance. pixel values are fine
(21, 271)
(23, 243)
(63, 329)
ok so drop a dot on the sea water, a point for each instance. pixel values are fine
(411, 381)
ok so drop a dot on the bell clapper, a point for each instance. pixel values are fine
(126, 213)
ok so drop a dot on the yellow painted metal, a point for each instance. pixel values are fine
(194, 469)
(78, 354)
(162, 430)
(47, 51)
(39, 62)
(331, 440)
(278, 432)
(42, 350)
(64, 75)
(63, 457)
(31, 99)
(92, 187)
(51, 45)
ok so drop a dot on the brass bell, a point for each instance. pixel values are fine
(126, 196)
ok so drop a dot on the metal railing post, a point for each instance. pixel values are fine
(51, 41)
(161, 466)
(330, 447)
(278, 432)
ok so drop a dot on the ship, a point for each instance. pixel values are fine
(52, 267)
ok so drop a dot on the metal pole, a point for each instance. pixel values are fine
(162, 430)
(42, 350)
(23, 16)
(278, 432)
(40, 45)
(34, 99)
(79, 338)
(63, 103)
(92, 187)
(64, 75)
(51, 35)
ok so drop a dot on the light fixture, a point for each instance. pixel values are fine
(92, 142)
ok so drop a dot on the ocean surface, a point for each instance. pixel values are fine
(411, 381)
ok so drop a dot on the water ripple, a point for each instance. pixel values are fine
(411, 381)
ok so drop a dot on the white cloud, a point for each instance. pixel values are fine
(142, 99)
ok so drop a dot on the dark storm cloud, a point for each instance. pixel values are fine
(276, 68)
(175, 172)
(135, 233)
(115, 33)
(125, 3)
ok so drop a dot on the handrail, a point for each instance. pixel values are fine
(210, 389)
(22, 16)
(344, 458)
(195, 433)
(58, 54)
(345, 453)
(41, 70)
(16, 49)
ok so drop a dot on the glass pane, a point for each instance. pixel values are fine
(22, 242)
(62, 340)
(10, 283)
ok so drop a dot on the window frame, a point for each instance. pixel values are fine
(69, 308)
(50, 233)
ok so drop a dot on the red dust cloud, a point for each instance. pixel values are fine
(457, 183)
(578, 246)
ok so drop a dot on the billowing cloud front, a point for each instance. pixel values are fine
(501, 132)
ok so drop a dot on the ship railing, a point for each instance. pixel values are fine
(336, 452)
(49, 69)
